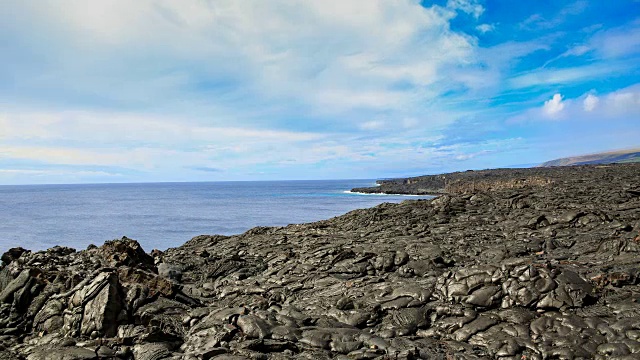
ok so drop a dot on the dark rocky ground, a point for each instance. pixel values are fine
(515, 264)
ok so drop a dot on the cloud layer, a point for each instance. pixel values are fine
(226, 89)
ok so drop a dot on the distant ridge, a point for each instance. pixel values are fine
(619, 156)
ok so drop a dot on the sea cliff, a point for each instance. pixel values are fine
(511, 263)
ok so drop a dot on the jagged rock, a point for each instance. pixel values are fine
(49, 319)
(513, 264)
(206, 343)
(20, 282)
(12, 254)
(125, 252)
(142, 285)
(102, 304)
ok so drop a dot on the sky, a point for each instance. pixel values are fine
(216, 90)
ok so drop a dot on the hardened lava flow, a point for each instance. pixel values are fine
(537, 263)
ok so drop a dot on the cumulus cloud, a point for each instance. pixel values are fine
(618, 104)
(553, 106)
(590, 102)
(621, 106)
(610, 124)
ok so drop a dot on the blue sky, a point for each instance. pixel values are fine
(196, 90)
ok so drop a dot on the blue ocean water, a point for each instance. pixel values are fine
(163, 215)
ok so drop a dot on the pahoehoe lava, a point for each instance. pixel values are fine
(537, 263)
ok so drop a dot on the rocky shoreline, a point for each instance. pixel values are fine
(536, 263)
(462, 182)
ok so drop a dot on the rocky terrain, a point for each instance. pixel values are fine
(512, 264)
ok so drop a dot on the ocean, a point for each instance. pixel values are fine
(164, 215)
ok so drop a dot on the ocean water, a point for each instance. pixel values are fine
(163, 215)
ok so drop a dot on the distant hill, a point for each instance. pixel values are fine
(620, 156)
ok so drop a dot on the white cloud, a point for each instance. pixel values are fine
(621, 106)
(164, 146)
(553, 106)
(485, 28)
(66, 173)
(538, 22)
(139, 143)
(107, 128)
(332, 56)
(134, 158)
(471, 7)
(372, 125)
(611, 124)
(578, 50)
(618, 42)
(623, 101)
(497, 62)
(212, 84)
(590, 102)
(409, 123)
(135, 146)
(573, 75)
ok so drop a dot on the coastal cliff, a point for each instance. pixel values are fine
(510, 263)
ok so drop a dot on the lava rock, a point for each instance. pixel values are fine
(506, 263)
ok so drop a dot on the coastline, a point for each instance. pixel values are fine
(385, 194)
(506, 249)
(462, 182)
